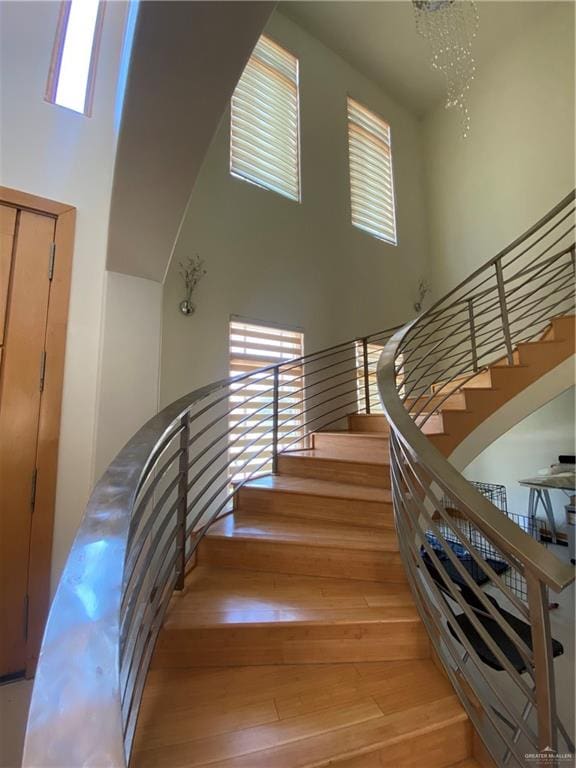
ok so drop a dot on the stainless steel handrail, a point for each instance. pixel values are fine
(509, 300)
(142, 525)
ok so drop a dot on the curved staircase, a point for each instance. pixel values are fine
(271, 573)
(296, 642)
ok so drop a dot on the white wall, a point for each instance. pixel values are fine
(519, 159)
(56, 153)
(129, 363)
(301, 264)
(533, 444)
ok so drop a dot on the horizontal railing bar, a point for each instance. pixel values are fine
(524, 651)
(448, 643)
(492, 576)
(462, 638)
(164, 538)
(504, 252)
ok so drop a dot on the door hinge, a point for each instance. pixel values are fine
(51, 261)
(33, 489)
(26, 615)
(42, 369)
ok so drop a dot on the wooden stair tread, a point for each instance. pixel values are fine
(251, 526)
(344, 455)
(358, 434)
(217, 597)
(290, 716)
(315, 487)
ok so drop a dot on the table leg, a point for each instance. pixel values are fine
(547, 503)
(532, 510)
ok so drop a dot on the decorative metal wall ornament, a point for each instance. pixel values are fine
(191, 273)
(423, 291)
(450, 26)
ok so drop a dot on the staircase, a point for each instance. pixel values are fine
(314, 591)
(461, 406)
(296, 641)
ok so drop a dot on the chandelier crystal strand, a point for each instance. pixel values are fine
(450, 26)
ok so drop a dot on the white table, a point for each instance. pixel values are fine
(539, 494)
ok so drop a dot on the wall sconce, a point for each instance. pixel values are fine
(423, 291)
(191, 273)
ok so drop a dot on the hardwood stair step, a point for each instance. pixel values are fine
(234, 617)
(311, 498)
(295, 716)
(283, 544)
(455, 400)
(364, 446)
(368, 422)
(481, 379)
(564, 327)
(341, 466)
(545, 354)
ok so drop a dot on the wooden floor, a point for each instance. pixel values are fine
(296, 643)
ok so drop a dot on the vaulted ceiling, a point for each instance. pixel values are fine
(380, 40)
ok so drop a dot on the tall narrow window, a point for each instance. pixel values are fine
(73, 67)
(254, 346)
(371, 181)
(264, 131)
(373, 352)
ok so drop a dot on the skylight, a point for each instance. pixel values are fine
(74, 60)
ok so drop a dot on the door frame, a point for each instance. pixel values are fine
(42, 523)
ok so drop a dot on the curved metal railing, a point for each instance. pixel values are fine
(143, 524)
(458, 549)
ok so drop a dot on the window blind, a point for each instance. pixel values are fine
(373, 353)
(264, 131)
(254, 346)
(371, 181)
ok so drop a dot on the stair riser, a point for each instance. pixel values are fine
(456, 401)
(375, 422)
(481, 379)
(355, 473)
(303, 644)
(438, 748)
(432, 425)
(545, 356)
(306, 560)
(370, 514)
(564, 328)
(366, 447)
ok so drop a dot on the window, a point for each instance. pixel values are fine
(373, 352)
(73, 67)
(371, 182)
(264, 131)
(254, 346)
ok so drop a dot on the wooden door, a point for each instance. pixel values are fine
(28, 294)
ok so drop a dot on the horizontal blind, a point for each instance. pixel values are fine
(371, 181)
(373, 352)
(264, 132)
(253, 347)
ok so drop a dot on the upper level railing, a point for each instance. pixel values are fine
(494, 641)
(142, 525)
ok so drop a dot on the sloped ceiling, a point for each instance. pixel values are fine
(186, 60)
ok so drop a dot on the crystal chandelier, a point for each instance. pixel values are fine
(450, 26)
